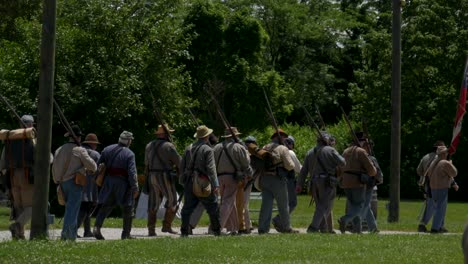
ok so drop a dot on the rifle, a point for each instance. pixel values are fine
(65, 123)
(353, 134)
(193, 116)
(322, 123)
(12, 109)
(158, 116)
(223, 117)
(272, 118)
(313, 125)
(366, 132)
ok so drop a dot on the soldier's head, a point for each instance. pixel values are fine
(126, 138)
(92, 140)
(323, 139)
(437, 144)
(77, 131)
(28, 120)
(250, 139)
(161, 132)
(290, 142)
(279, 133)
(442, 152)
(228, 133)
(203, 133)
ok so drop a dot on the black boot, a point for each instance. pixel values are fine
(97, 233)
(127, 223)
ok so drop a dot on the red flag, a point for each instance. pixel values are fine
(460, 112)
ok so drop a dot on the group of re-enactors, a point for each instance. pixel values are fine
(232, 167)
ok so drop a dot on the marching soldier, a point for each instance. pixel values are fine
(120, 184)
(354, 177)
(200, 160)
(90, 191)
(321, 163)
(17, 166)
(69, 160)
(233, 166)
(161, 159)
(274, 185)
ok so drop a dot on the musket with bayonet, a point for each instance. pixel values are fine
(12, 110)
(366, 132)
(272, 118)
(65, 123)
(353, 134)
(223, 117)
(322, 123)
(160, 119)
(194, 118)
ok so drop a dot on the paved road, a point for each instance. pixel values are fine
(141, 233)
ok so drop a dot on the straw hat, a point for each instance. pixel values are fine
(160, 130)
(227, 132)
(203, 131)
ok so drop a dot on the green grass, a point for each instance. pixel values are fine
(278, 248)
(291, 248)
(457, 216)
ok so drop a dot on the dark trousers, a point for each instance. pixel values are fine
(84, 216)
(190, 203)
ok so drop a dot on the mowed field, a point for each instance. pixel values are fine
(274, 248)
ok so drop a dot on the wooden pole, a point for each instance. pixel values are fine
(44, 124)
(395, 152)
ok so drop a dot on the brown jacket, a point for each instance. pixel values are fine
(357, 163)
(442, 175)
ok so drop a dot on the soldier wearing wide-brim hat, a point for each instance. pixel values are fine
(274, 185)
(161, 171)
(198, 159)
(90, 191)
(233, 167)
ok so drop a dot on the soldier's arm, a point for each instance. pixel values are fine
(85, 159)
(304, 170)
(367, 163)
(211, 167)
(288, 163)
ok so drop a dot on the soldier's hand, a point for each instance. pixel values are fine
(456, 187)
(216, 191)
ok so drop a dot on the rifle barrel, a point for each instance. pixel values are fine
(12, 109)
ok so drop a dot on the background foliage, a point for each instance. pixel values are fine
(115, 58)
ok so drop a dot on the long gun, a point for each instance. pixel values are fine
(322, 123)
(12, 109)
(272, 118)
(314, 125)
(353, 134)
(65, 123)
(223, 117)
(366, 132)
(193, 116)
(158, 116)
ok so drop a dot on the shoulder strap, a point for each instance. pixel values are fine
(156, 153)
(115, 155)
(192, 159)
(229, 156)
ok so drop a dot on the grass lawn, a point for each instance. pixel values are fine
(284, 248)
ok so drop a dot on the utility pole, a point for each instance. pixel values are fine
(44, 124)
(395, 153)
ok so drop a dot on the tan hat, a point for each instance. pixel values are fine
(203, 131)
(91, 138)
(282, 133)
(160, 130)
(227, 132)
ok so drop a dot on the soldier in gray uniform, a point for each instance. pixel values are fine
(200, 159)
(321, 163)
(161, 169)
(232, 166)
(120, 184)
(274, 185)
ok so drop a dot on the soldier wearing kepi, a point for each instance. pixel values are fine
(90, 191)
(120, 184)
(354, 177)
(161, 170)
(17, 166)
(232, 165)
(69, 160)
(321, 163)
(201, 161)
(274, 185)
